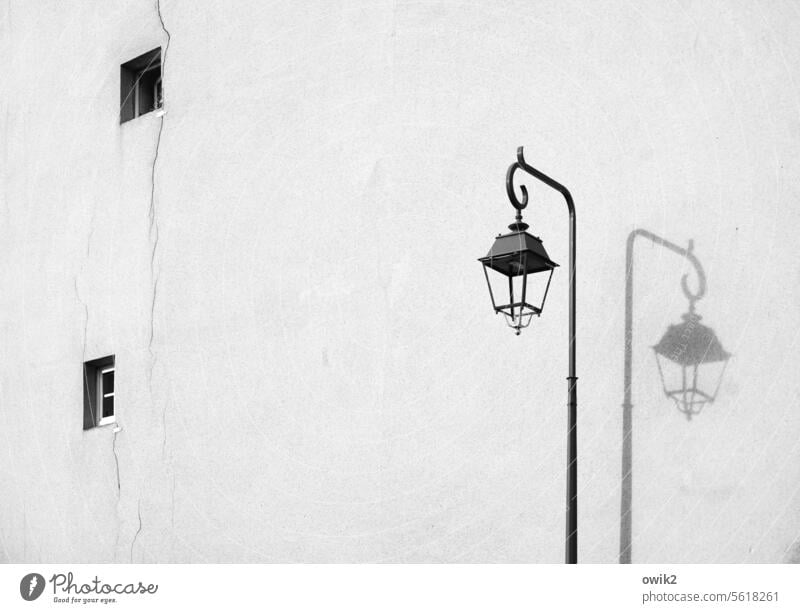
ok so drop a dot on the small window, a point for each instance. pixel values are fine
(105, 396)
(98, 392)
(140, 86)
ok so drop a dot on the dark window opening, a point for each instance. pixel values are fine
(106, 391)
(98, 392)
(140, 86)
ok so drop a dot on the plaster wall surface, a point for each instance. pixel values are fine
(284, 264)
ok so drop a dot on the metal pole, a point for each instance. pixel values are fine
(572, 404)
(626, 497)
(571, 541)
(625, 520)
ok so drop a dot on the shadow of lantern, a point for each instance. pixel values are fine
(691, 363)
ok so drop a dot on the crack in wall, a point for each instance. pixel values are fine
(153, 230)
(139, 529)
(85, 332)
(153, 236)
(91, 233)
(77, 291)
(119, 490)
(85, 315)
(116, 461)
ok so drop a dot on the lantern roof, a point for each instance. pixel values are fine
(690, 342)
(507, 250)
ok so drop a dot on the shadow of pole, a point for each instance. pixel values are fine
(626, 502)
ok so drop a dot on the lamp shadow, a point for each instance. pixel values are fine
(691, 364)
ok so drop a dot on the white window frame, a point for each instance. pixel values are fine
(102, 421)
(158, 92)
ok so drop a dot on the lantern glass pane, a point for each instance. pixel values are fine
(518, 297)
(691, 386)
(520, 311)
(498, 287)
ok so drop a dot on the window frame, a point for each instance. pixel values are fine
(93, 392)
(132, 74)
(102, 395)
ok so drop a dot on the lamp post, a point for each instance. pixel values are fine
(512, 259)
(690, 345)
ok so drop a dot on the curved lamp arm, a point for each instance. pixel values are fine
(521, 164)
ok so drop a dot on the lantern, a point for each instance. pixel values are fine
(510, 267)
(691, 363)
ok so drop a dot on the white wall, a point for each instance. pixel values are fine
(326, 381)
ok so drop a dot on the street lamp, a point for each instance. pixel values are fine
(688, 356)
(513, 260)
